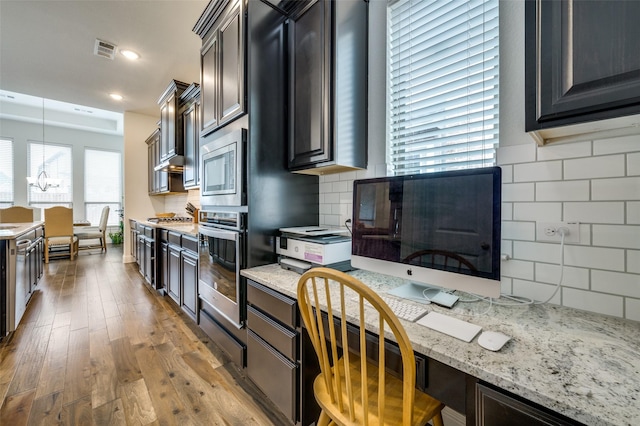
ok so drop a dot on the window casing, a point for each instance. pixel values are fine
(102, 184)
(442, 85)
(6, 173)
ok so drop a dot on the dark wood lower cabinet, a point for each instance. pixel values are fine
(189, 271)
(173, 285)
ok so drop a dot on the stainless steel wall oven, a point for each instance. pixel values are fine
(222, 255)
(224, 175)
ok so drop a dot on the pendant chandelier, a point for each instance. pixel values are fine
(43, 181)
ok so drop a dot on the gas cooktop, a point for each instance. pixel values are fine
(179, 219)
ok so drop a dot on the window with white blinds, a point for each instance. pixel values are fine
(102, 184)
(6, 173)
(56, 161)
(443, 84)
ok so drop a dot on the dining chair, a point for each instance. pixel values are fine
(351, 389)
(100, 234)
(58, 233)
(16, 214)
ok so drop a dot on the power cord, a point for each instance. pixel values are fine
(346, 225)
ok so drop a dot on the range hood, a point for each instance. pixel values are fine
(172, 165)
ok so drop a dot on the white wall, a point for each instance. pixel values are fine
(595, 182)
(22, 133)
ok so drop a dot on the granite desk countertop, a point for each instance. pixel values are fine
(11, 231)
(583, 365)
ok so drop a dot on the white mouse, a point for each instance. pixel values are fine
(493, 340)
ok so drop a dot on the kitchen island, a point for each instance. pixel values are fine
(581, 365)
(21, 250)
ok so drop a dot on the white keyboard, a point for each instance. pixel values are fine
(404, 310)
(454, 327)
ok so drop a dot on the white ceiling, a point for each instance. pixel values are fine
(46, 50)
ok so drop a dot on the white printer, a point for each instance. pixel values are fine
(302, 248)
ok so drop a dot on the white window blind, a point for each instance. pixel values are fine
(56, 160)
(443, 85)
(6, 172)
(102, 184)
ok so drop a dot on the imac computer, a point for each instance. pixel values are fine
(436, 230)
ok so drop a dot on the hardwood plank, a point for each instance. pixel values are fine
(77, 413)
(138, 407)
(16, 408)
(110, 414)
(125, 361)
(46, 410)
(115, 327)
(77, 383)
(31, 360)
(105, 380)
(168, 406)
(54, 367)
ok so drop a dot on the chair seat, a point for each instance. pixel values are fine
(424, 409)
(61, 241)
(88, 235)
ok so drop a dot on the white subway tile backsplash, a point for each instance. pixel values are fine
(594, 212)
(633, 164)
(611, 259)
(326, 187)
(332, 177)
(518, 192)
(633, 212)
(537, 252)
(563, 191)
(341, 186)
(626, 236)
(540, 212)
(536, 172)
(616, 145)
(517, 269)
(507, 211)
(563, 151)
(633, 261)
(594, 167)
(525, 153)
(616, 283)
(332, 197)
(632, 309)
(331, 220)
(571, 277)
(507, 174)
(519, 231)
(536, 291)
(326, 208)
(353, 175)
(591, 301)
(616, 189)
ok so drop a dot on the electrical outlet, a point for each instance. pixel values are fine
(552, 231)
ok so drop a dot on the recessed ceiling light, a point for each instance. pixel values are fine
(115, 96)
(129, 54)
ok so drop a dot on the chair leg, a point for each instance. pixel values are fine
(437, 420)
(46, 253)
(324, 419)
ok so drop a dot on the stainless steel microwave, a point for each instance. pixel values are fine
(224, 176)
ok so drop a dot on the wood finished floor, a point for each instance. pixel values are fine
(96, 347)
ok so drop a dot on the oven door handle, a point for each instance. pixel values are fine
(219, 233)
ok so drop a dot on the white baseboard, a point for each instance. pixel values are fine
(453, 418)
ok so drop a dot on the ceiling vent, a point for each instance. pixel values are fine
(104, 49)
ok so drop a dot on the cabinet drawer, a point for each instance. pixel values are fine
(280, 307)
(281, 338)
(190, 243)
(175, 238)
(274, 374)
(223, 339)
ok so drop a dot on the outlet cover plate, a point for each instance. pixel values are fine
(542, 233)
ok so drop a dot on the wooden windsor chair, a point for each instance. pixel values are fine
(351, 389)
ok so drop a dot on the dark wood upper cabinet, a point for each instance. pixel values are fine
(222, 63)
(582, 61)
(328, 87)
(190, 111)
(171, 141)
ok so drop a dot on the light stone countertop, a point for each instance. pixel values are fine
(182, 227)
(11, 231)
(583, 365)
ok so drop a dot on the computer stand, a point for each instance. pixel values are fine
(425, 293)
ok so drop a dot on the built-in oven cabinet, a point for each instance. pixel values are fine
(222, 63)
(272, 347)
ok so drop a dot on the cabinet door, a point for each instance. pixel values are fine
(309, 137)
(151, 175)
(231, 63)
(189, 282)
(190, 129)
(209, 84)
(162, 178)
(149, 260)
(164, 265)
(174, 283)
(582, 61)
(167, 126)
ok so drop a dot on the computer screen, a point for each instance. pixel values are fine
(438, 229)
